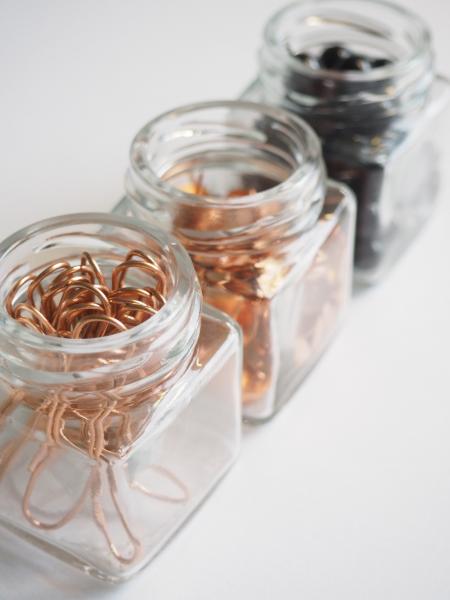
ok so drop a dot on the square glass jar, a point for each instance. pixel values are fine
(242, 186)
(107, 445)
(361, 73)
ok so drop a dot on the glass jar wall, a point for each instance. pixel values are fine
(361, 73)
(243, 188)
(108, 444)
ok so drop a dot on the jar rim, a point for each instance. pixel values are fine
(147, 176)
(181, 269)
(422, 46)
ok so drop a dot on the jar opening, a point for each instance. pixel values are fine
(105, 237)
(226, 167)
(222, 146)
(320, 59)
(374, 29)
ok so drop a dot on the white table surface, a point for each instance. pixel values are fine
(345, 494)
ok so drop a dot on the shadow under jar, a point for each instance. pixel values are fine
(243, 188)
(108, 444)
(361, 73)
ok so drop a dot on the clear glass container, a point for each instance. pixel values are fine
(243, 188)
(361, 73)
(108, 444)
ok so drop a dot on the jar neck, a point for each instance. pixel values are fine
(228, 176)
(153, 354)
(333, 100)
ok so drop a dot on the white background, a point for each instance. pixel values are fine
(345, 494)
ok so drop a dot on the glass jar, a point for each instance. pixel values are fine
(108, 444)
(361, 74)
(243, 188)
